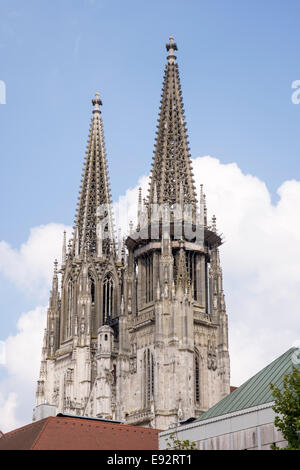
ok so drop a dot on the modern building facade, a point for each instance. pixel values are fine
(243, 420)
(137, 330)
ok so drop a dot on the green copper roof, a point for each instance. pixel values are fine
(256, 390)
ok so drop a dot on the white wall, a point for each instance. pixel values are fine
(251, 428)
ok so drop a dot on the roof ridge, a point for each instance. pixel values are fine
(41, 432)
(257, 378)
(125, 425)
(9, 433)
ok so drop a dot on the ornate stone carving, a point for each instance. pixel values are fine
(172, 302)
(55, 396)
(132, 364)
(109, 376)
(212, 355)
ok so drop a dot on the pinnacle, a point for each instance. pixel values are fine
(55, 266)
(214, 223)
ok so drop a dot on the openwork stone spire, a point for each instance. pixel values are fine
(172, 164)
(152, 313)
(94, 215)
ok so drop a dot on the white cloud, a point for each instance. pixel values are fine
(261, 268)
(260, 259)
(23, 351)
(30, 267)
(8, 407)
(2, 352)
(125, 209)
(22, 363)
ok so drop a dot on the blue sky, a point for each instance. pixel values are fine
(237, 62)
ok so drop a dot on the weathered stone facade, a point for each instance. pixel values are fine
(138, 330)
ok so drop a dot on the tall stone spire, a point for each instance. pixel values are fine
(94, 198)
(172, 163)
(138, 334)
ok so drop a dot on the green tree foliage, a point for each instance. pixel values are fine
(287, 407)
(176, 444)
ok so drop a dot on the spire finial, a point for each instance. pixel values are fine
(97, 103)
(64, 248)
(130, 227)
(55, 279)
(214, 223)
(55, 267)
(205, 210)
(119, 245)
(202, 206)
(140, 209)
(171, 47)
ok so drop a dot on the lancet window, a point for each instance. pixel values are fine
(70, 302)
(197, 375)
(192, 271)
(108, 301)
(92, 287)
(207, 288)
(148, 377)
(149, 278)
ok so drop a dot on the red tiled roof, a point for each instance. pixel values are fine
(65, 433)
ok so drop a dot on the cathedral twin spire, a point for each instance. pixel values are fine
(171, 179)
(94, 223)
(100, 355)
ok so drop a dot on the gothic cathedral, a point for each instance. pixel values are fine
(137, 330)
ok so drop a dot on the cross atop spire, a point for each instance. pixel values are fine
(97, 103)
(171, 47)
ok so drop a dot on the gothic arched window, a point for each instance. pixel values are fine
(197, 375)
(207, 288)
(70, 293)
(108, 298)
(92, 290)
(192, 271)
(136, 287)
(148, 377)
(148, 279)
(92, 284)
